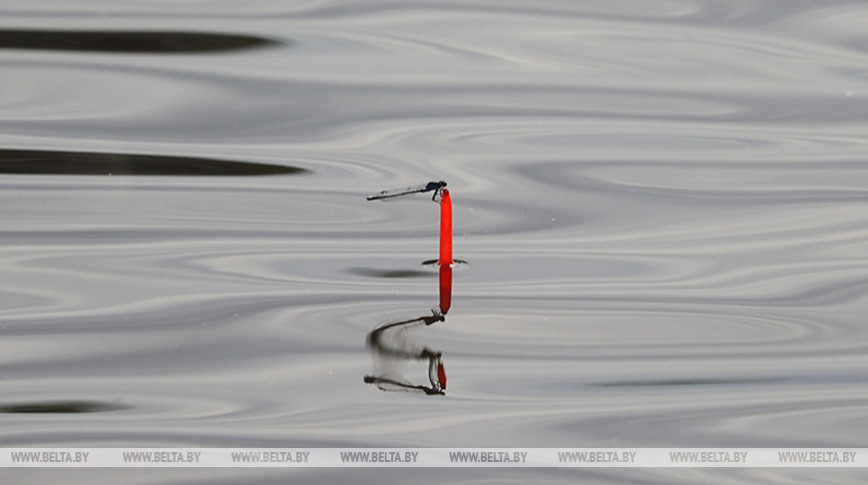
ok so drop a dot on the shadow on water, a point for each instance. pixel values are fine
(130, 42)
(687, 382)
(32, 162)
(391, 348)
(61, 407)
(395, 273)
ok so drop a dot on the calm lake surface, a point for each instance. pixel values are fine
(663, 207)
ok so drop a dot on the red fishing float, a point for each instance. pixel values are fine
(445, 229)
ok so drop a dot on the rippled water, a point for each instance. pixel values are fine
(662, 206)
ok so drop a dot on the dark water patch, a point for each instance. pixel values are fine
(686, 382)
(130, 42)
(66, 407)
(386, 273)
(33, 162)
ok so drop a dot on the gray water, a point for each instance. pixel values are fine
(662, 206)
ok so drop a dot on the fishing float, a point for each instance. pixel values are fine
(445, 229)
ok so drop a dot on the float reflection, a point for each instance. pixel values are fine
(392, 349)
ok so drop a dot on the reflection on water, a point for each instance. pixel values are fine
(128, 42)
(61, 407)
(391, 347)
(686, 382)
(389, 273)
(40, 162)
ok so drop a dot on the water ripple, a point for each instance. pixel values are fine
(59, 407)
(78, 163)
(128, 42)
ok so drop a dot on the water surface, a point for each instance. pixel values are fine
(662, 206)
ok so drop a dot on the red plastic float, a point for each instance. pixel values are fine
(445, 230)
